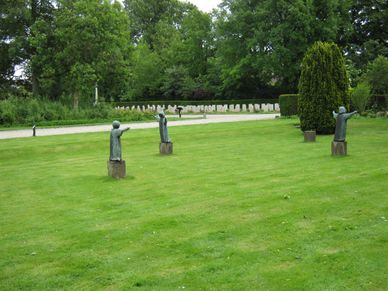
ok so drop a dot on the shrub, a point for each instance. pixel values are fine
(288, 104)
(42, 112)
(378, 102)
(360, 96)
(7, 112)
(323, 87)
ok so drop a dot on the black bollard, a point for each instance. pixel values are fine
(34, 130)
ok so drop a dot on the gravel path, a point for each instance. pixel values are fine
(139, 125)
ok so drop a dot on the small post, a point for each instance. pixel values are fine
(96, 94)
(34, 130)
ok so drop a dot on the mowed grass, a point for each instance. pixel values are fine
(238, 206)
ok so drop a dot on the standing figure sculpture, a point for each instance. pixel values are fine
(115, 142)
(161, 117)
(341, 120)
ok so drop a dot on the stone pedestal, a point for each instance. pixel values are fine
(338, 148)
(165, 148)
(309, 135)
(116, 169)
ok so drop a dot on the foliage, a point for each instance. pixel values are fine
(161, 49)
(288, 104)
(378, 103)
(42, 112)
(377, 75)
(210, 217)
(323, 87)
(87, 43)
(146, 73)
(360, 96)
(369, 34)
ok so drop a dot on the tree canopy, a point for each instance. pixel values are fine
(164, 49)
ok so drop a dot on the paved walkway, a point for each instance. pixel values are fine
(211, 118)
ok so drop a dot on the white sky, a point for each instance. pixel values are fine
(204, 5)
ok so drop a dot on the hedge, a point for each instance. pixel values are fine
(323, 87)
(288, 104)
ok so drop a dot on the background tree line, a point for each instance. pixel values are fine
(167, 49)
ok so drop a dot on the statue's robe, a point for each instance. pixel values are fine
(115, 144)
(163, 129)
(340, 127)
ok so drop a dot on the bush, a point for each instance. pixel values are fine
(288, 104)
(360, 96)
(7, 112)
(16, 111)
(323, 87)
(378, 102)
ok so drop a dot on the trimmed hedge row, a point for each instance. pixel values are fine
(204, 102)
(288, 104)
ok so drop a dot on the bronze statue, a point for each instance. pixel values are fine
(115, 142)
(341, 120)
(161, 117)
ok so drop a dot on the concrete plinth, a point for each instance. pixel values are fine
(338, 148)
(165, 148)
(116, 169)
(309, 135)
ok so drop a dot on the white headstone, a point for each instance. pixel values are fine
(237, 108)
(244, 108)
(277, 107)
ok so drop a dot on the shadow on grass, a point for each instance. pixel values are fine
(107, 179)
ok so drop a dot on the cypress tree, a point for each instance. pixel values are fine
(323, 87)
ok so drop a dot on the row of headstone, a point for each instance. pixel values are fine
(264, 107)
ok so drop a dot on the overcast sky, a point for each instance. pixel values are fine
(205, 5)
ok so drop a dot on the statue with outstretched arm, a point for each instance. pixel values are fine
(161, 118)
(341, 120)
(115, 141)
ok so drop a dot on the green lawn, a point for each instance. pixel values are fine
(239, 206)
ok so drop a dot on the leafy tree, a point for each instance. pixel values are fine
(370, 31)
(17, 18)
(90, 43)
(377, 75)
(177, 83)
(145, 15)
(146, 73)
(323, 87)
